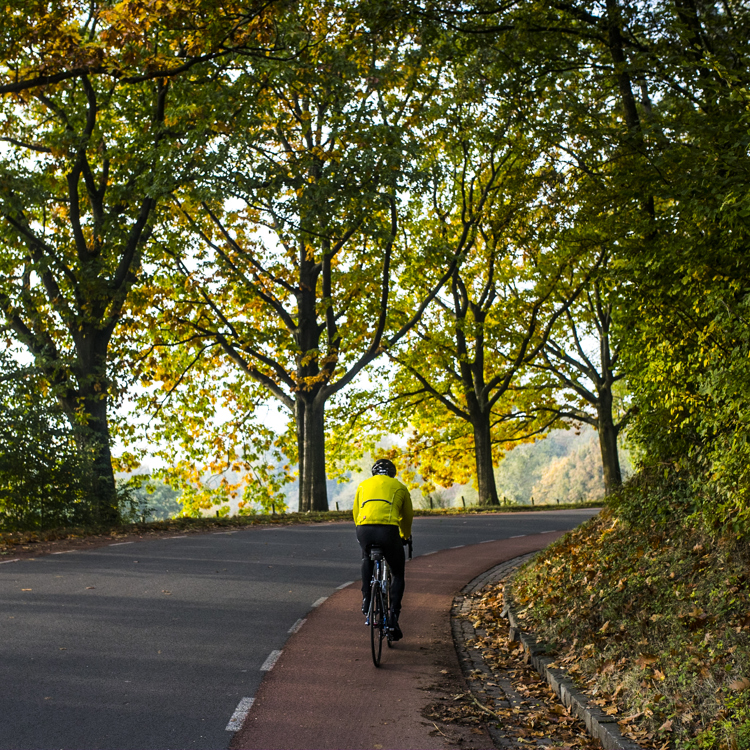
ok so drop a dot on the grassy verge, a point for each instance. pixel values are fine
(12, 541)
(654, 625)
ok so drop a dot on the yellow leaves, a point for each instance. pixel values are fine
(125, 462)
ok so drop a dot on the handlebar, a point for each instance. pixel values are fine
(408, 542)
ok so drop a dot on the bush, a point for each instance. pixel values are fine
(143, 499)
(44, 479)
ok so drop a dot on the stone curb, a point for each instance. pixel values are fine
(472, 662)
(599, 725)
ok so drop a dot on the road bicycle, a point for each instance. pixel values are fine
(379, 613)
(380, 604)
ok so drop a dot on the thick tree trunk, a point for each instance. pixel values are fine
(102, 475)
(483, 450)
(92, 437)
(313, 494)
(608, 442)
(93, 441)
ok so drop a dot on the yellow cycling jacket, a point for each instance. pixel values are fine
(381, 499)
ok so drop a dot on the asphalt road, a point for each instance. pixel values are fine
(151, 645)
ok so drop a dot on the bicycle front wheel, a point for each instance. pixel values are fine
(377, 617)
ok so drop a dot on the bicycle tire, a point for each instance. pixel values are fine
(376, 623)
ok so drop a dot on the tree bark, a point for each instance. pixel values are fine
(91, 398)
(486, 486)
(608, 442)
(313, 493)
(96, 442)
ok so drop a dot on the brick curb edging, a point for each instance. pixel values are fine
(599, 725)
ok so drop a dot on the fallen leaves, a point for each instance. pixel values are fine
(667, 614)
(531, 712)
(645, 660)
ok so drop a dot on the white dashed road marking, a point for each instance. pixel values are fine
(297, 625)
(434, 552)
(517, 536)
(344, 585)
(267, 665)
(240, 714)
(318, 602)
(487, 541)
(15, 559)
(119, 544)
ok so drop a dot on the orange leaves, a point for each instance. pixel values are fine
(646, 660)
(130, 38)
(532, 711)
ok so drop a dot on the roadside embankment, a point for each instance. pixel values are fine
(653, 625)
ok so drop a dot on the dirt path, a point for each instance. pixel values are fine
(325, 693)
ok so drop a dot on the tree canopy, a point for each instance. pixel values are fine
(228, 205)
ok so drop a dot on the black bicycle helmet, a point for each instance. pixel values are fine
(384, 466)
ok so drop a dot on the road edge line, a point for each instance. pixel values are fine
(240, 714)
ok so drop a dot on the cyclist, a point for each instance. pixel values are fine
(383, 514)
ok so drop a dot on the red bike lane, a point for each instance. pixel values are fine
(324, 693)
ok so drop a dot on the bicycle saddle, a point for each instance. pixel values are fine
(376, 553)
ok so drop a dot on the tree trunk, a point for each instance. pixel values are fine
(93, 441)
(313, 494)
(483, 450)
(92, 437)
(608, 442)
(102, 475)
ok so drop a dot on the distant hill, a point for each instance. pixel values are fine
(564, 466)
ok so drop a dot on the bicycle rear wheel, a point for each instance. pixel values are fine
(376, 623)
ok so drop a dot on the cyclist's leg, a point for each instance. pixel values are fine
(398, 582)
(364, 537)
(394, 554)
